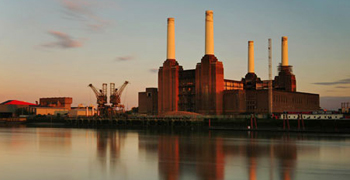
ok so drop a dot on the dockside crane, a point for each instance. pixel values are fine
(101, 96)
(116, 93)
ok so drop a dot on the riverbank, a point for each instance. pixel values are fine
(211, 123)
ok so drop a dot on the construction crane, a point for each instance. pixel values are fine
(101, 96)
(116, 93)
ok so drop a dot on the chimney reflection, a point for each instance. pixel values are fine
(286, 154)
(208, 156)
(169, 157)
(181, 156)
(253, 151)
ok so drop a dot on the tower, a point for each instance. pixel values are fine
(209, 75)
(286, 79)
(168, 75)
(251, 80)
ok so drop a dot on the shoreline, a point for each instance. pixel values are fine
(215, 124)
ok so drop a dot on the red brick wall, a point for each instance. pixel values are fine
(209, 86)
(168, 85)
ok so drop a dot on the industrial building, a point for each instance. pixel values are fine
(14, 108)
(60, 102)
(149, 101)
(204, 90)
(55, 106)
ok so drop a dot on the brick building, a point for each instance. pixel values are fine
(148, 101)
(204, 90)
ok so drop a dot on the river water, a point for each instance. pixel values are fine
(64, 154)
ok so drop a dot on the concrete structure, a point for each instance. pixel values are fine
(60, 102)
(204, 90)
(148, 101)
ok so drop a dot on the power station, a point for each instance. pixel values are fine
(204, 90)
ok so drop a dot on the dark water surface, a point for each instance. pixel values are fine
(63, 154)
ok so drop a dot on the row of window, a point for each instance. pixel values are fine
(233, 85)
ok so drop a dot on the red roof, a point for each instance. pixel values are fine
(15, 102)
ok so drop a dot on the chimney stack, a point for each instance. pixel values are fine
(171, 39)
(250, 56)
(209, 33)
(284, 51)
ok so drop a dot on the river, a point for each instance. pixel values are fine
(33, 153)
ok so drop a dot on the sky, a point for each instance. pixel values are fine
(56, 48)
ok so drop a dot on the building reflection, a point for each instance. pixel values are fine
(282, 150)
(109, 144)
(54, 140)
(208, 155)
(169, 157)
(253, 151)
(210, 159)
(286, 155)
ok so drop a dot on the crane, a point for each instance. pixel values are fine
(101, 96)
(116, 94)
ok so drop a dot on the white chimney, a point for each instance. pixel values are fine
(250, 56)
(209, 33)
(284, 51)
(171, 39)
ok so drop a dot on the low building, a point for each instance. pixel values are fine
(148, 101)
(82, 111)
(59, 102)
(51, 111)
(15, 108)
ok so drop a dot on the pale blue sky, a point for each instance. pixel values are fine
(51, 48)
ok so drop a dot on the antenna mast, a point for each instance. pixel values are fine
(270, 76)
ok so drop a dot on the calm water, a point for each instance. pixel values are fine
(57, 153)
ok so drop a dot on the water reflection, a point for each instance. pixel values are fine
(170, 155)
(52, 140)
(207, 154)
(109, 144)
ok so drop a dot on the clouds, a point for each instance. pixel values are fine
(125, 58)
(342, 87)
(333, 102)
(153, 70)
(340, 82)
(63, 41)
(85, 11)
